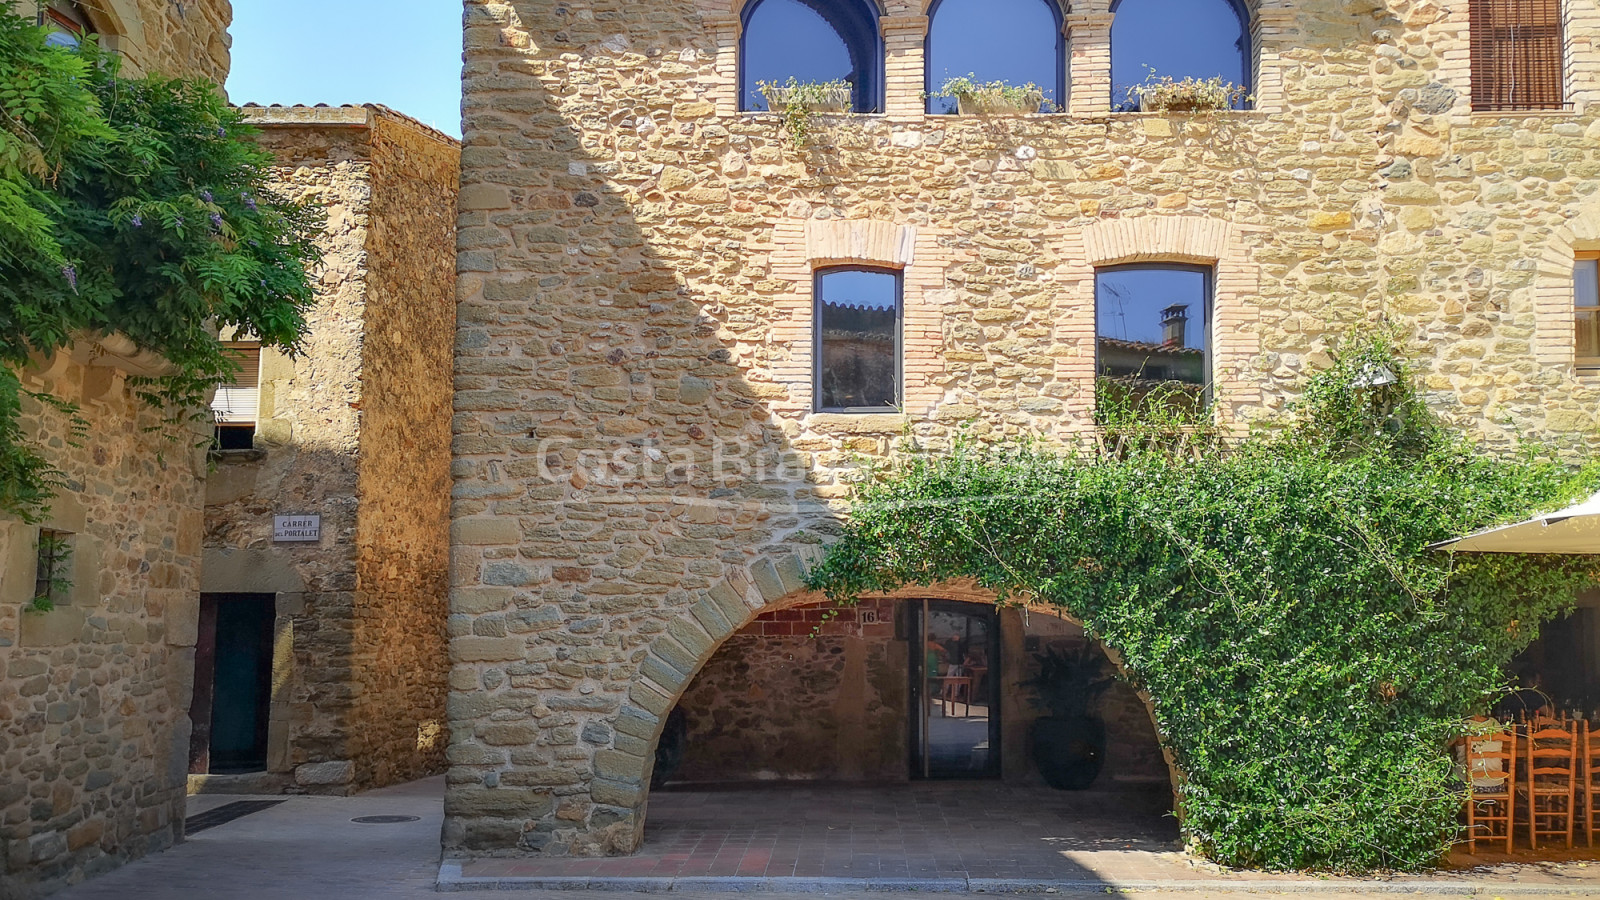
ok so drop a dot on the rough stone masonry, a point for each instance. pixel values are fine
(638, 472)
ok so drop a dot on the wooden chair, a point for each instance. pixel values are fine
(1491, 772)
(1549, 779)
(1589, 779)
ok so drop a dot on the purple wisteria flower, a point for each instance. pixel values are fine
(249, 202)
(222, 132)
(71, 275)
(137, 221)
(216, 220)
(206, 196)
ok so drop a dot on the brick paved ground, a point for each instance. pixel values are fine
(308, 849)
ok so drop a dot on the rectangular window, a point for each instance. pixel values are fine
(858, 340)
(1586, 311)
(1517, 55)
(1152, 328)
(234, 408)
(50, 570)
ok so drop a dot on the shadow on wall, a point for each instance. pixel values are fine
(625, 497)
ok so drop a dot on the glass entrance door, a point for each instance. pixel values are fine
(955, 690)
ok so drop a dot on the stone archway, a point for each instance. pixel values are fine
(622, 773)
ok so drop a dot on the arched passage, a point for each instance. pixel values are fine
(789, 655)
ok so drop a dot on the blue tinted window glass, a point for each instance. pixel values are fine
(1180, 38)
(1586, 280)
(1015, 41)
(786, 38)
(1152, 324)
(858, 365)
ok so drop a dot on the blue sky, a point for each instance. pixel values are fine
(401, 53)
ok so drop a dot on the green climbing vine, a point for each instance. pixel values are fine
(1309, 658)
(131, 206)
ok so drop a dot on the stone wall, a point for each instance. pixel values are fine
(94, 695)
(188, 39)
(353, 430)
(402, 581)
(800, 696)
(638, 470)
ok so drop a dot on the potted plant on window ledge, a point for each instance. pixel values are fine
(797, 101)
(992, 98)
(1163, 93)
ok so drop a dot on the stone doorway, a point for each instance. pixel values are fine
(232, 684)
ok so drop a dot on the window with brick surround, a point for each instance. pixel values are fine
(858, 318)
(1014, 41)
(236, 404)
(811, 41)
(1178, 39)
(1152, 332)
(1517, 55)
(1586, 310)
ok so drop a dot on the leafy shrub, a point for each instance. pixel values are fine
(1308, 657)
(137, 207)
(988, 98)
(1163, 93)
(797, 101)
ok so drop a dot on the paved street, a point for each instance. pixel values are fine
(307, 848)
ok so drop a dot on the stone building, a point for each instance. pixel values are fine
(93, 730)
(322, 640)
(647, 452)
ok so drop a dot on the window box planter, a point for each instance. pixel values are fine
(995, 103)
(833, 97)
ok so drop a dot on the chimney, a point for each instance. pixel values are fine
(1174, 325)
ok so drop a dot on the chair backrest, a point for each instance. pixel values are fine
(1491, 760)
(1552, 747)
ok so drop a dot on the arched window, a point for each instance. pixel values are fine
(1014, 41)
(811, 41)
(1177, 38)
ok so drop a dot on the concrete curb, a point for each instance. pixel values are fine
(451, 880)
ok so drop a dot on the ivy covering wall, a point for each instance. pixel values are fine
(138, 207)
(1309, 659)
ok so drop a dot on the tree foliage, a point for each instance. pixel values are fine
(1308, 657)
(132, 206)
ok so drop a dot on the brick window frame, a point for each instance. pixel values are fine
(800, 248)
(1235, 337)
(1553, 303)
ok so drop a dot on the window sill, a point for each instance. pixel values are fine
(235, 457)
(858, 422)
(1523, 113)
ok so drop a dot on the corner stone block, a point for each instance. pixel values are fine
(711, 618)
(791, 572)
(323, 773)
(614, 765)
(687, 633)
(57, 628)
(674, 655)
(637, 722)
(610, 793)
(730, 603)
(486, 649)
(473, 601)
(486, 531)
(650, 700)
(661, 673)
(767, 581)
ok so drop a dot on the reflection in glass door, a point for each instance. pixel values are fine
(955, 690)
